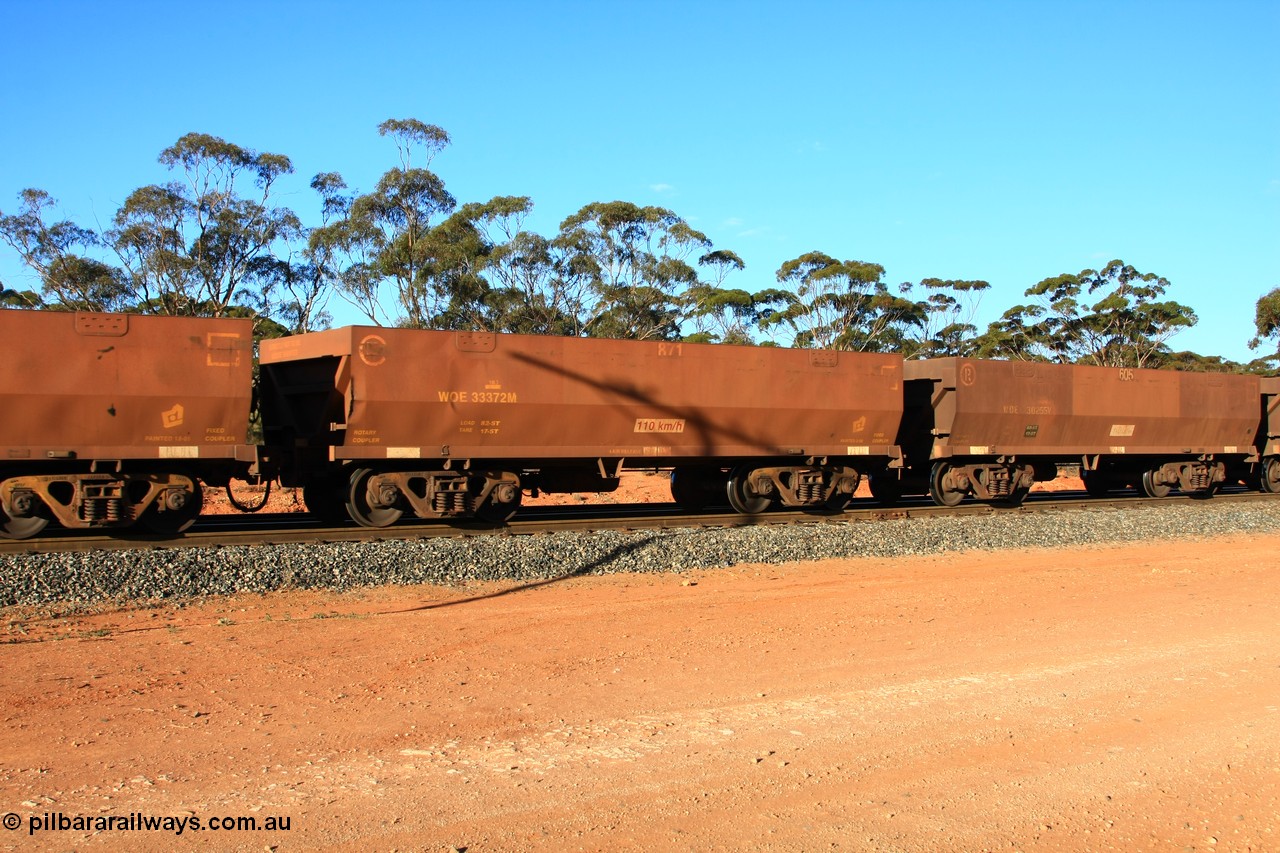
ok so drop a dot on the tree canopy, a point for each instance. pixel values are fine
(1113, 317)
(215, 240)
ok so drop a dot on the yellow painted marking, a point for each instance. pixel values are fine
(222, 349)
(219, 435)
(173, 417)
(372, 350)
(461, 395)
(668, 425)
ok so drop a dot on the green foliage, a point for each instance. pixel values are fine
(529, 290)
(1267, 318)
(843, 305)
(20, 299)
(197, 247)
(406, 242)
(1113, 317)
(633, 262)
(948, 328)
(1193, 362)
(410, 135)
(59, 253)
(214, 242)
(725, 315)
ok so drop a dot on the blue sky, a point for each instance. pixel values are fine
(1000, 141)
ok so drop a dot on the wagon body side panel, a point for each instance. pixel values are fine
(114, 386)
(443, 395)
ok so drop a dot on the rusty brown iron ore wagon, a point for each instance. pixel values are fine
(113, 419)
(992, 428)
(379, 422)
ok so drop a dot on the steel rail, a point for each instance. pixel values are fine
(291, 528)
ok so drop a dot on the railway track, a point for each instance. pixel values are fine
(289, 528)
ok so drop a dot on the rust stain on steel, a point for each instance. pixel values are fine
(85, 385)
(484, 395)
(1031, 408)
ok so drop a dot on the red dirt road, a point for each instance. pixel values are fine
(1122, 698)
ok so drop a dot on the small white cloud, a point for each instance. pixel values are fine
(661, 188)
(733, 222)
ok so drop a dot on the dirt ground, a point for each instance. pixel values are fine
(1119, 698)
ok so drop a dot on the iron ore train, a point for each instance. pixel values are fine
(112, 420)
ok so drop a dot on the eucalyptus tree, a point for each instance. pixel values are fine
(381, 247)
(717, 313)
(1196, 363)
(10, 298)
(61, 254)
(455, 259)
(299, 280)
(843, 305)
(1011, 337)
(949, 310)
(1267, 319)
(198, 246)
(634, 263)
(1113, 317)
(529, 291)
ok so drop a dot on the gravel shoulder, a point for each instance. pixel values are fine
(914, 692)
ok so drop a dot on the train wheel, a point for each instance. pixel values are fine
(325, 501)
(742, 500)
(358, 503)
(1271, 475)
(173, 521)
(1151, 488)
(942, 494)
(885, 488)
(21, 528)
(1096, 484)
(499, 511)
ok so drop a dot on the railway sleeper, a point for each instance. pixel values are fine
(167, 503)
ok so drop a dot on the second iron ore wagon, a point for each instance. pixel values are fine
(382, 421)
